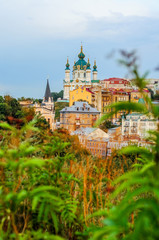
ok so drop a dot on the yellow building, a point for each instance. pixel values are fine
(105, 97)
(81, 114)
(135, 95)
(81, 93)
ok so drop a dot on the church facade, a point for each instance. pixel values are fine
(81, 75)
(46, 108)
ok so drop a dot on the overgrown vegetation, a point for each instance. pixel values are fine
(135, 210)
(52, 188)
(12, 112)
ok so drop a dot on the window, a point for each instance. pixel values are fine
(84, 75)
(78, 74)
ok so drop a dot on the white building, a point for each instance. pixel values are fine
(138, 124)
(81, 75)
(153, 84)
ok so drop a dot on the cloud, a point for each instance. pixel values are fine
(38, 35)
(30, 20)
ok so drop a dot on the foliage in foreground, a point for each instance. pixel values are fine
(51, 188)
(49, 184)
(136, 214)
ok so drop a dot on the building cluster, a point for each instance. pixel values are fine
(89, 98)
(45, 109)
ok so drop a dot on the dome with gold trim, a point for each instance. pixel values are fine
(81, 62)
(67, 65)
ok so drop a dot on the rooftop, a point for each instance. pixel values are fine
(83, 131)
(116, 79)
(80, 107)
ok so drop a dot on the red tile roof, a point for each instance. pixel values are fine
(116, 80)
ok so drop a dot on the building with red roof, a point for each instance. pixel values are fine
(115, 83)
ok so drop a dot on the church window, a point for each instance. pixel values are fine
(78, 74)
(84, 75)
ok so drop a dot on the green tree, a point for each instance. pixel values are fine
(57, 95)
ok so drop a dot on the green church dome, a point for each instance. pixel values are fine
(95, 66)
(81, 55)
(67, 65)
(81, 62)
(88, 64)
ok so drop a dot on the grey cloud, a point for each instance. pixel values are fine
(124, 27)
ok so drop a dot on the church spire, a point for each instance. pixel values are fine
(47, 92)
(88, 64)
(95, 66)
(81, 55)
(67, 65)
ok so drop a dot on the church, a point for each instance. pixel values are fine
(81, 75)
(46, 108)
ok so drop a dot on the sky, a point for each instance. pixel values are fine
(37, 36)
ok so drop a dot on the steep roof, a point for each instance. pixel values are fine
(47, 91)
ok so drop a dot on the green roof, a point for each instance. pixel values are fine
(81, 54)
(95, 81)
(81, 62)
